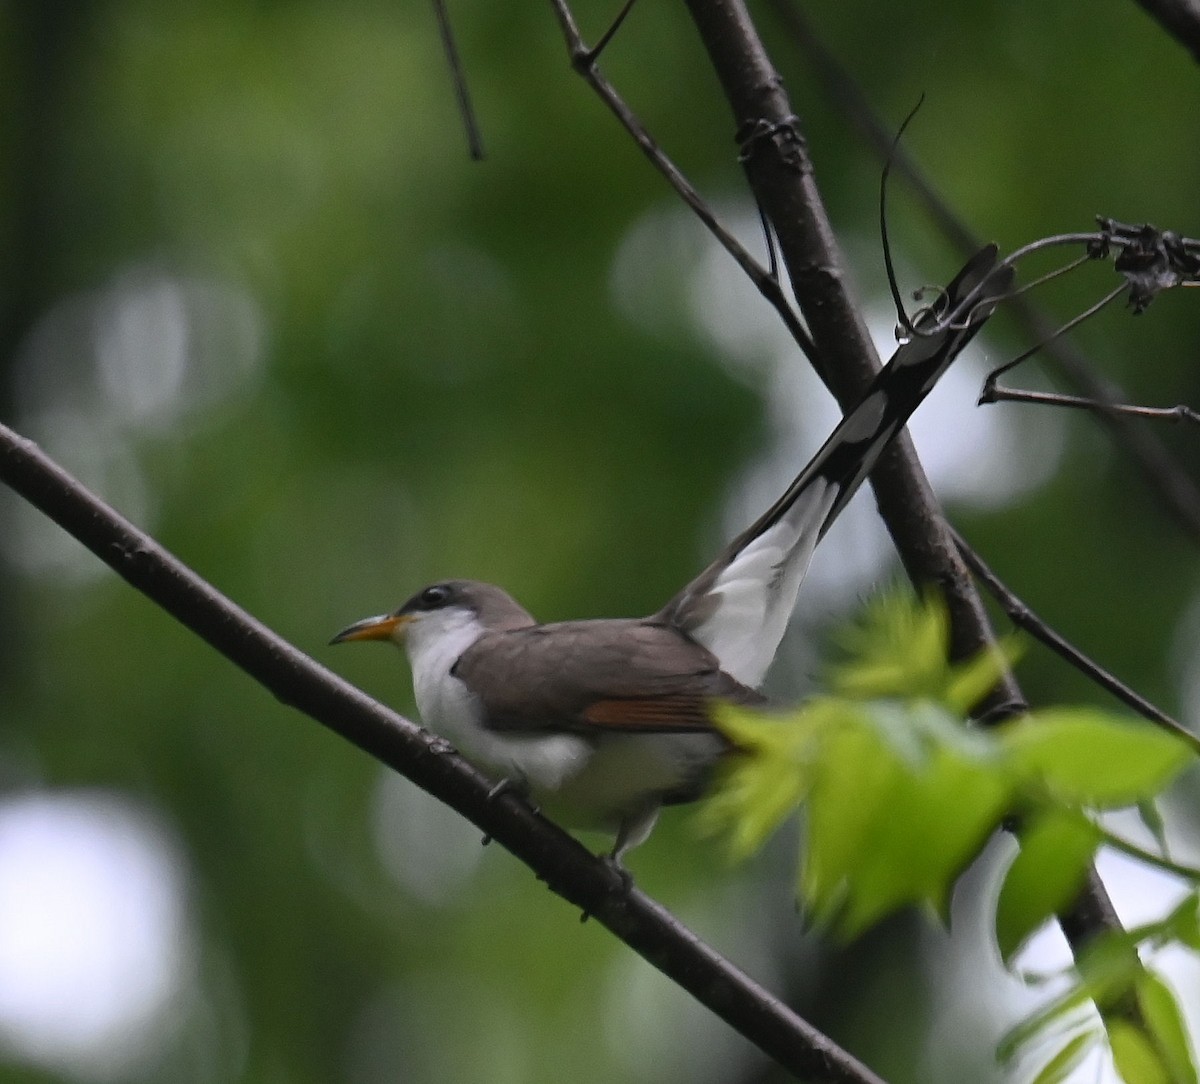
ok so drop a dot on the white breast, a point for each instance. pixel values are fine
(434, 644)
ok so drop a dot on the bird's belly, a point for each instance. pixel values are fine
(625, 775)
(541, 761)
(593, 782)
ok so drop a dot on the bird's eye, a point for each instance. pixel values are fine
(433, 597)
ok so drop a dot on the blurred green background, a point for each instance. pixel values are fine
(255, 294)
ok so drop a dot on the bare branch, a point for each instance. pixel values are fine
(583, 60)
(459, 77)
(1174, 488)
(782, 178)
(1178, 413)
(1024, 618)
(296, 680)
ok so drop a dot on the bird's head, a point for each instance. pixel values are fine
(458, 610)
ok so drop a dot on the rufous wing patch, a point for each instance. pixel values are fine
(661, 713)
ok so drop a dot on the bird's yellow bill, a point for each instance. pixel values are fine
(373, 628)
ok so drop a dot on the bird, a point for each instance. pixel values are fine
(602, 722)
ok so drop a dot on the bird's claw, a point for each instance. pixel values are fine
(623, 877)
(508, 785)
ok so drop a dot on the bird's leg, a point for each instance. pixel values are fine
(509, 785)
(633, 830)
(623, 877)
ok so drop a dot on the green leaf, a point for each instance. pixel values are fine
(1036, 1023)
(1165, 1023)
(1151, 818)
(1086, 756)
(851, 795)
(770, 776)
(883, 832)
(1134, 1056)
(1056, 850)
(900, 650)
(897, 650)
(1183, 923)
(969, 682)
(1059, 1067)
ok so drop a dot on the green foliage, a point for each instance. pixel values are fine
(1111, 971)
(1083, 757)
(451, 370)
(1059, 1067)
(900, 796)
(898, 651)
(1057, 846)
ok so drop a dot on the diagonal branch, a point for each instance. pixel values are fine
(1025, 618)
(296, 680)
(1174, 488)
(583, 60)
(782, 177)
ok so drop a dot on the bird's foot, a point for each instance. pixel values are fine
(508, 785)
(505, 786)
(622, 879)
(622, 876)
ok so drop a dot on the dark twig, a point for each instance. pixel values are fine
(1025, 618)
(990, 382)
(296, 680)
(582, 59)
(902, 316)
(459, 77)
(1172, 485)
(781, 176)
(1178, 413)
(1050, 276)
(610, 33)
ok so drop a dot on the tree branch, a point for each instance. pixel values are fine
(780, 172)
(1024, 618)
(1167, 480)
(583, 59)
(775, 156)
(296, 680)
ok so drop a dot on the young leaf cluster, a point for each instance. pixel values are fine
(899, 794)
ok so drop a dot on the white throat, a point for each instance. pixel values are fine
(434, 642)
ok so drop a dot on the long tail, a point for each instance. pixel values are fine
(739, 606)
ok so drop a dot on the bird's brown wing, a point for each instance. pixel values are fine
(612, 675)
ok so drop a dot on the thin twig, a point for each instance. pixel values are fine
(1024, 618)
(582, 59)
(897, 302)
(459, 77)
(1178, 413)
(296, 680)
(1070, 325)
(1149, 858)
(610, 33)
(1172, 485)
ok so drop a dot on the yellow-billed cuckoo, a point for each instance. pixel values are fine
(602, 722)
